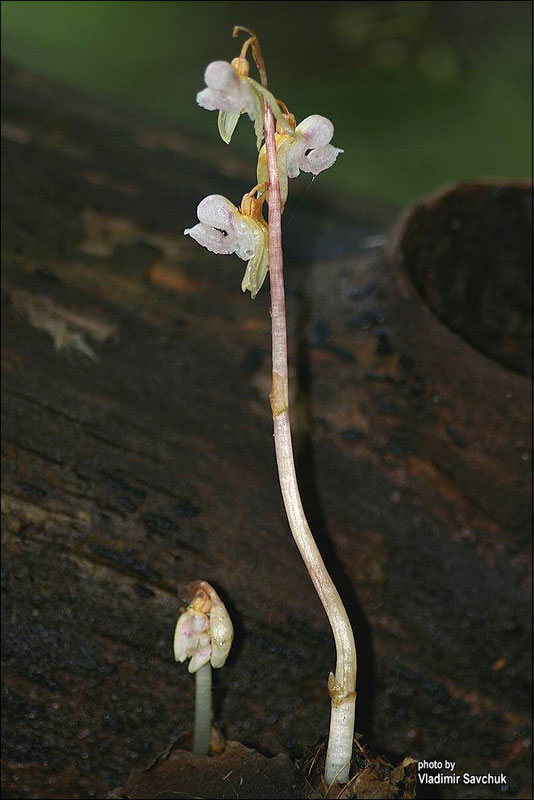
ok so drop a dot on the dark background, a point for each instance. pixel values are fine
(420, 92)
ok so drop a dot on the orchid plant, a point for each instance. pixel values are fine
(223, 228)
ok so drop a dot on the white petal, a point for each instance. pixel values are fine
(182, 637)
(222, 76)
(199, 622)
(213, 100)
(246, 242)
(222, 634)
(317, 130)
(319, 159)
(248, 98)
(216, 211)
(295, 156)
(225, 91)
(311, 151)
(213, 240)
(222, 228)
(202, 654)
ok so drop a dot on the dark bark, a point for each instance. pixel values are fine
(138, 457)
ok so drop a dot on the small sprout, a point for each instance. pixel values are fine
(204, 634)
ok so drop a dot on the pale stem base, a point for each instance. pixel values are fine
(202, 731)
(343, 690)
(339, 751)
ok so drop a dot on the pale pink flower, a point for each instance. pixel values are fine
(311, 150)
(307, 148)
(226, 90)
(223, 229)
(233, 94)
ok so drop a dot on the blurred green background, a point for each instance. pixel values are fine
(420, 92)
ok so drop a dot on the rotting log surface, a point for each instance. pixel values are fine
(138, 457)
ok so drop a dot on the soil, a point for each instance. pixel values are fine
(239, 771)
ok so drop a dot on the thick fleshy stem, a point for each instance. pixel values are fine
(342, 685)
(202, 729)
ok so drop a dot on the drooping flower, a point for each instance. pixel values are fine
(311, 151)
(231, 92)
(307, 149)
(225, 90)
(223, 229)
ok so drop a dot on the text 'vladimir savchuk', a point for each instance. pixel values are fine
(452, 778)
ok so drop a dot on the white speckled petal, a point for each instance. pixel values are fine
(228, 93)
(311, 151)
(213, 100)
(182, 636)
(246, 240)
(216, 210)
(317, 130)
(295, 155)
(319, 159)
(199, 621)
(189, 634)
(202, 653)
(222, 634)
(222, 228)
(220, 75)
(213, 240)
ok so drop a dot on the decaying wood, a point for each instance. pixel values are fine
(138, 457)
